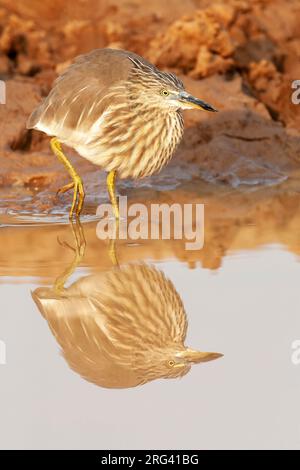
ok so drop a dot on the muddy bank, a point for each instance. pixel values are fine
(239, 55)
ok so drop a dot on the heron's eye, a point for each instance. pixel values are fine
(164, 93)
(171, 363)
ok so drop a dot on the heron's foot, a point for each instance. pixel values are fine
(65, 188)
(78, 195)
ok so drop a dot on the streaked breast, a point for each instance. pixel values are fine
(136, 145)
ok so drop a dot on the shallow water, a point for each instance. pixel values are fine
(241, 297)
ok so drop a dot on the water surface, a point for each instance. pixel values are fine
(241, 297)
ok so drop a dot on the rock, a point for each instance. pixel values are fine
(239, 55)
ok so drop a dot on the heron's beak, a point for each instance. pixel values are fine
(190, 355)
(191, 102)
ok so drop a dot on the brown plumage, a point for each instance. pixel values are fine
(118, 111)
(121, 328)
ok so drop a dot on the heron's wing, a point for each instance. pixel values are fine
(81, 94)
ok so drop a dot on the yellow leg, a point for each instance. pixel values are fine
(112, 245)
(78, 196)
(111, 179)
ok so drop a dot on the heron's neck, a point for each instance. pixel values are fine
(139, 140)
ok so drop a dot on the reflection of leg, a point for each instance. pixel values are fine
(112, 245)
(78, 195)
(79, 250)
(111, 180)
(78, 234)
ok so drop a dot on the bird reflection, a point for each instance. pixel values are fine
(120, 328)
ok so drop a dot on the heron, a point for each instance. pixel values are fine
(118, 111)
(122, 327)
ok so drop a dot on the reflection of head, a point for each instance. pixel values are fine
(121, 328)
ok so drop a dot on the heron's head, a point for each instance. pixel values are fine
(175, 97)
(170, 364)
(163, 90)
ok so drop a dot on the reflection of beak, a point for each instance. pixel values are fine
(190, 355)
(195, 102)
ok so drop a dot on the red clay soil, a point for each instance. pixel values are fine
(240, 55)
